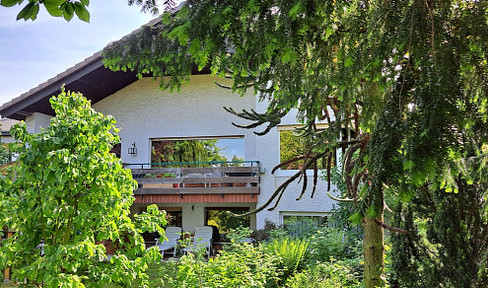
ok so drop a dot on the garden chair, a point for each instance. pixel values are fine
(201, 240)
(173, 234)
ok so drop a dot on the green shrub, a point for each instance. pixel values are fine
(333, 242)
(239, 265)
(240, 234)
(269, 232)
(290, 255)
(330, 274)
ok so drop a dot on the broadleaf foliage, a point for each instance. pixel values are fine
(65, 197)
(409, 77)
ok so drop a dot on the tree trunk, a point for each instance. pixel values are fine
(373, 251)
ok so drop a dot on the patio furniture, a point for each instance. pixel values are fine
(201, 240)
(173, 234)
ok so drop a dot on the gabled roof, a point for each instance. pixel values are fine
(89, 77)
(6, 123)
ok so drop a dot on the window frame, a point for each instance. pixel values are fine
(225, 209)
(186, 138)
(291, 127)
(283, 214)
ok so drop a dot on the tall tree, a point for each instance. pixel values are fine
(399, 83)
(65, 196)
(67, 9)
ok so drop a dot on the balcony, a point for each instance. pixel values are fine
(196, 178)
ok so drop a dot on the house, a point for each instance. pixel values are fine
(5, 124)
(5, 137)
(159, 126)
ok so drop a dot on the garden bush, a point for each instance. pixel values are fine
(269, 232)
(333, 242)
(332, 274)
(240, 264)
(290, 254)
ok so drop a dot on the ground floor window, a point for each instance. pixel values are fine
(174, 215)
(299, 225)
(218, 217)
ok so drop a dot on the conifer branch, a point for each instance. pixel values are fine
(340, 199)
(390, 228)
(237, 87)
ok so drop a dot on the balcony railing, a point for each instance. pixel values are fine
(230, 177)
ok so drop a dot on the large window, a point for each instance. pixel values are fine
(304, 225)
(202, 149)
(223, 221)
(292, 145)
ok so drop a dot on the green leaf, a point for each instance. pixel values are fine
(348, 62)
(54, 2)
(295, 10)
(371, 212)
(355, 218)
(53, 10)
(406, 195)
(408, 165)
(68, 11)
(181, 33)
(85, 2)
(10, 3)
(29, 12)
(81, 12)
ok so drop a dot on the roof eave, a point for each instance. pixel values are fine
(15, 108)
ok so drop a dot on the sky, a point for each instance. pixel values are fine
(32, 52)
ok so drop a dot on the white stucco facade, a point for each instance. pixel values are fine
(36, 121)
(144, 112)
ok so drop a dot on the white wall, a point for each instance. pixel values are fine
(268, 153)
(7, 139)
(143, 111)
(36, 121)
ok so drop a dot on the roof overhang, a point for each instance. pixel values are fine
(89, 77)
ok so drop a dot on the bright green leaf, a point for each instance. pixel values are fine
(371, 212)
(29, 12)
(68, 11)
(408, 165)
(10, 3)
(53, 10)
(355, 218)
(296, 10)
(53, 2)
(82, 12)
(348, 62)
